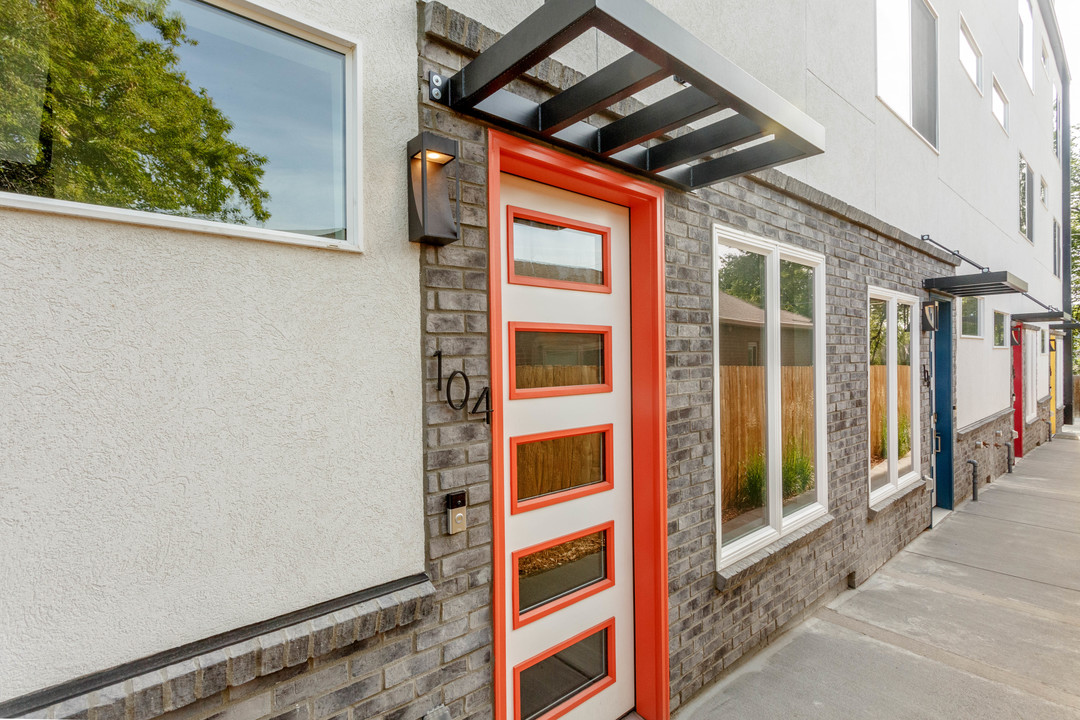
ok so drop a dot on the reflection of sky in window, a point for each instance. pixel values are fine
(551, 245)
(285, 98)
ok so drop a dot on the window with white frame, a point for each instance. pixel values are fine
(1056, 111)
(1025, 45)
(1042, 191)
(893, 344)
(1001, 329)
(1031, 391)
(970, 54)
(971, 317)
(999, 105)
(907, 63)
(237, 121)
(1042, 342)
(1027, 200)
(1055, 243)
(769, 340)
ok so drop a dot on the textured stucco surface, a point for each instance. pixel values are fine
(202, 432)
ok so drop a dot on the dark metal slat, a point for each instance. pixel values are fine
(699, 143)
(752, 159)
(550, 27)
(656, 119)
(607, 86)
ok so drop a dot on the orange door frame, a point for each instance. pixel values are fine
(649, 405)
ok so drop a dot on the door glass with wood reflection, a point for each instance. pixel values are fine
(797, 385)
(879, 393)
(549, 359)
(559, 570)
(543, 467)
(903, 388)
(740, 312)
(557, 678)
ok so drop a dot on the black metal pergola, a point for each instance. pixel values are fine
(659, 48)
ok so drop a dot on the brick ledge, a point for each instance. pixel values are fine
(898, 496)
(180, 684)
(737, 573)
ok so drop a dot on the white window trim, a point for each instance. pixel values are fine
(304, 30)
(1005, 344)
(1044, 191)
(1031, 375)
(978, 321)
(897, 482)
(1029, 75)
(779, 526)
(937, 99)
(995, 86)
(977, 81)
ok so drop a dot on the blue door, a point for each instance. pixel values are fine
(943, 407)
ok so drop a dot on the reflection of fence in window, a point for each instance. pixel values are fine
(741, 395)
(559, 464)
(879, 409)
(541, 376)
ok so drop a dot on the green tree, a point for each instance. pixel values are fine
(94, 108)
(742, 274)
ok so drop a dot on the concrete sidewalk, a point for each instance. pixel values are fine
(977, 618)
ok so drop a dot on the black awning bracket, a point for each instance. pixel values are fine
(659, 48)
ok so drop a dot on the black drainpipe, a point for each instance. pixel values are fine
(974, 480)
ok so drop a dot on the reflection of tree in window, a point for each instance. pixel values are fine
(95, 112)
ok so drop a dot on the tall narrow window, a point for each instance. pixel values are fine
(1027, 199)
(907, 63)
(971, 317)
(999, 105)
(1056, 110)
(970, 55)
(1000, 329)
(894, 411)
(1026, 41)
(1031, 357)
(1055, 243)
(769, 344)
(1042, 191)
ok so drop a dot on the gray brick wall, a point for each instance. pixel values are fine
(986, 445)
(711, 630)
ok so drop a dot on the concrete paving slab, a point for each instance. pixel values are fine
(1008, 502)
(1039, 648)
(1024, 551)
(823, 671)
(972, 581)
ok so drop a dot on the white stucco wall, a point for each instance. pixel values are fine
(992, 392)
(202, 432)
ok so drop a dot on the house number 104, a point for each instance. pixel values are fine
(484, 397)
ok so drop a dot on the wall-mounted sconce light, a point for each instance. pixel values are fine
(430, 218)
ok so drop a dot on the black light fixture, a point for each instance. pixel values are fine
(430, 218)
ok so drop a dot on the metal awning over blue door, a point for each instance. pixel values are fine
(660, 49)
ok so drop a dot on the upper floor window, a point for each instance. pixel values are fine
(182, 109)
(1055, 243)
(1026, 46)
(894, 392)
(1027, 199)
(1042, 191)
(999, 105)
(769, 335)
(907, 63)
(1055, 110)
(970, 55)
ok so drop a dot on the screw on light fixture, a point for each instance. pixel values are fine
(431, 220)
